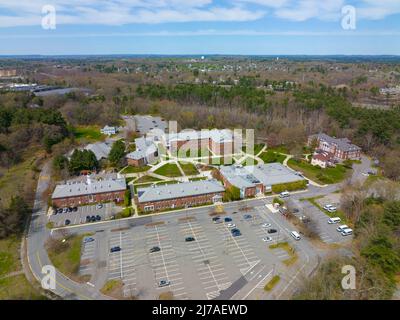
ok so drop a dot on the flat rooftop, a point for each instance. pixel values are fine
(268, 174)
(79, 188)
(179, 190)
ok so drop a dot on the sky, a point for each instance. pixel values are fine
(247, 27)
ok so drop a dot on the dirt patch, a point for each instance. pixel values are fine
(187, 219)
(166, 296)
(154, 224)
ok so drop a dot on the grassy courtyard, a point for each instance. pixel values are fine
(131, 169)
(169, 170)
(271, 156)
(189, 169)
(320, 175)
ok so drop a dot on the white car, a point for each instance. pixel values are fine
(284, 194)
(334, 220)
(330, 208)
(342, 227)
(267, 239)
(231, 225)
(347, 232)
(295, 235)
(266, 225)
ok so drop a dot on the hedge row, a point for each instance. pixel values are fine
(291, 186)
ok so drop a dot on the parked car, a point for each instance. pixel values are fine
(115, 249)
(67, 222)
(87, 240)
(99, 206)
(236, 232)
(342, 227)
(164, 283)
(347, 232)
(334, 220)
(154, 249)
(189, 239)
(98, 218)
(266, 225)
(305, 219)
(88, 219)
(295, 235)
(284, 194)
(231, 225)
(267, 239)
(247, 216)
(216, 220)
(65, 210)
(92, 219)
(60, 210)
(70, 209)
(75, 209)
(228, 219)
(272, 231)
(330, 208)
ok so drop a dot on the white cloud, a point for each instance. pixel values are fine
(121, 12)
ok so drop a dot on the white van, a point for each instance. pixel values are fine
(347, 232)
(295, 235)
(284, 194)
(334, 220)
(342, 227)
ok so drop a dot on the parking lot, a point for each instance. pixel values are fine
(79, 216)
(327, 232)
(205, 268)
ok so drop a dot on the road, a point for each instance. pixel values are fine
(37, 255)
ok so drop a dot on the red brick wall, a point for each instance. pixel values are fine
(99, 197)
(178, 202)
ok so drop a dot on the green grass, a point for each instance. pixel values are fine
(146, 179)
(270, 157)
(279, 149)
(18, 288)
(89, 133)
(131, 169)
(67, 258)
(9, 255)
(322, 176)
(169, 170)
(272, 283)
(189, 169)
(257, 148)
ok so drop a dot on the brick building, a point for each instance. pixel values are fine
(90, 191)
(180, 195)
(146, 152)
(340, 149)
(219, 142)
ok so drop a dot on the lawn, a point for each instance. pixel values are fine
(131, 169)
(323, 176)
(169, 170)
(279, 149)
(88, 133)
(18, 288)
(146, 179)
(249, 162)
(271, 156)
(66, 256)
(189, 169)
(9, 255)
(113, 288)
(198, 179)
(257, 148)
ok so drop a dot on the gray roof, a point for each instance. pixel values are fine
(268, 174)
(343, 144)
(144, 147)
(239, 176)
(146, 123)
(179, 190)
(216, 135)
(73, 189)
(100, 149)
